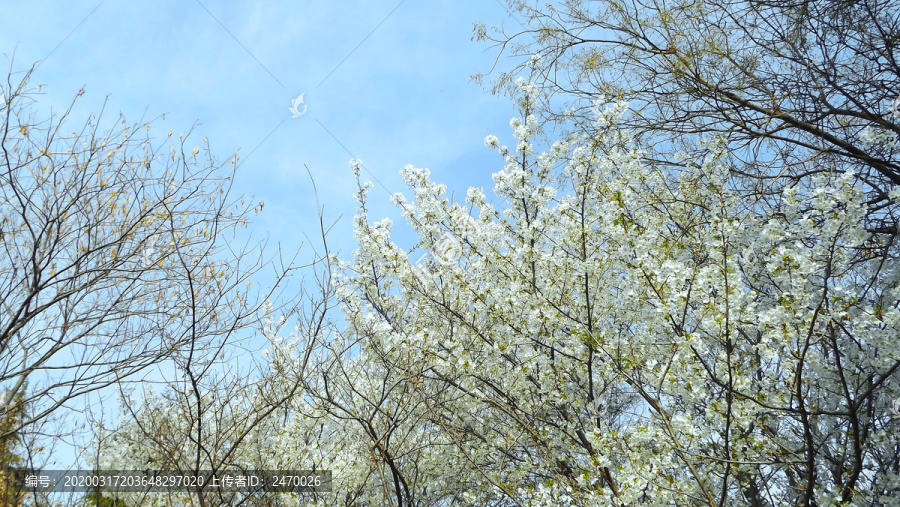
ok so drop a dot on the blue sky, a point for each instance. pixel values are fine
(389, 80)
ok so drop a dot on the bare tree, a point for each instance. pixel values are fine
(223, 407)
(114, 256)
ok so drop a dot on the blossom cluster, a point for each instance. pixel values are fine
(728, 339)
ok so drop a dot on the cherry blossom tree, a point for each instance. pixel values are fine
(616, 332)
(750, 349)
(796, 88)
